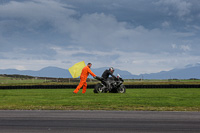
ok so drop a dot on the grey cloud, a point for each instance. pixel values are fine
(2, 56)
(98, 56)
(35, 27)
(34, 16)
(36, 9)
(82, 55)
(181, 7)
(95, 30)
(33, 53)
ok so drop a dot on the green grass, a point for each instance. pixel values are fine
(133, 99)
(160, 82)
(12, 81)
(17, 81)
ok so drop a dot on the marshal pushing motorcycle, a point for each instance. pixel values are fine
(111, 84)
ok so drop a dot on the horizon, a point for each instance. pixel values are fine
(187, 66)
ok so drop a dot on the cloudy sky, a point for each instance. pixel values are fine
(140, 36)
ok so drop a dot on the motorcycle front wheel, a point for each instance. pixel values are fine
(121, 89)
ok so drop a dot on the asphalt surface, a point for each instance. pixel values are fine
(98, 121)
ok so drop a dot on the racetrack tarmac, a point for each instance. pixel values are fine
(47, 121)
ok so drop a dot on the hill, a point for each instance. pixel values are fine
(189, 71)
(59, 72)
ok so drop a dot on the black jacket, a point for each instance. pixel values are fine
(106, 74)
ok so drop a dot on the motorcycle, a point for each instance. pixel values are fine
(110, 85)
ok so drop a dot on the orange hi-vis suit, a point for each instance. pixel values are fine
(85, 72)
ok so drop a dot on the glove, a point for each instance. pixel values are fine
(95, 77)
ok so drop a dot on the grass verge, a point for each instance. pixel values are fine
(133, 99)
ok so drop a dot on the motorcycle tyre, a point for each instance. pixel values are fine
(121, 89)
(97, 88)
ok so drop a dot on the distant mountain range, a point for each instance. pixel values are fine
(190, 71)
(59, 72)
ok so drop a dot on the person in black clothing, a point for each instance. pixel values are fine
(106, 74)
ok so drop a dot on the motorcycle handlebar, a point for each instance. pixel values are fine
(99, 78)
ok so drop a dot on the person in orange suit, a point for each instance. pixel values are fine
(85, 72)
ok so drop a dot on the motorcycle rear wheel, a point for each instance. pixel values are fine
(98, 88)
